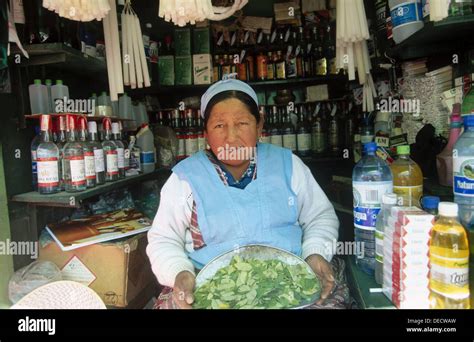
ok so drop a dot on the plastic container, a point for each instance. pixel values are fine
(407, 18)
(371, 179)
(145, 142)
(430, 204)
(407, 178)
(449, 261)
(58, 92)
(444, 160)
(463, 172)
(38, 98)
(125, 107)
(388, 201)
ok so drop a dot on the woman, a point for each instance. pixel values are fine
(235, 193)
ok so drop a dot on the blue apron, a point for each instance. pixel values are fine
(265, 212)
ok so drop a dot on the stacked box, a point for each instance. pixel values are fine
(166, 70)
(202, 69)
(201, 41)
(182, 42)
(183, 70)
(406, 257)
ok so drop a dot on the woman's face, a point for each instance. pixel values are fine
(232, 132)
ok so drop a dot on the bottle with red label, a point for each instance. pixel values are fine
(191, 143)
(47, 159)
(99, 159)
(120, 149)
(74, 168)
(200, 132)
(110, 152)
(89, 159)
(62, 140)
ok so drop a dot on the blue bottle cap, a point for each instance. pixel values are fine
(370, 147)
(468, 120)
(430, 202)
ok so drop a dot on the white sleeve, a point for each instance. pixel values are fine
(316, 214)
(167, 237)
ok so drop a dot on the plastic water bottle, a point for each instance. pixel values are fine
(38, 98)
(463, 171)
(371, 178)
(388, 201)
(407, 18)
(58, 92)
(430, 204)
(145, 142)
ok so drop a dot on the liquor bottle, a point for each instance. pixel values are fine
(89, 159)
(120, 149)
(280, 66)
(191, 134)
(291, 69)
(99, 161)
(74, 168)
(200, 132)
(334, 132)
(307, 56)
(62, 140)
(262, 66)
(226, 66)
(299, 52)
(217, 69)
(110, 151)
(265, 135)
(319, 61)
(271, 72)
(34, 166)
(42, 25)
(123, 137)
(180, 135)
(47, 159)
(275, 130)
(288, 131)
(318, 132)
(303, 137)
(329, 48)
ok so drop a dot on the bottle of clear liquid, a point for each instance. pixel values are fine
(444, 160)
(34, 166)
(74, 168)
(47, 159)
(463, 172)
(289, 134)
(371, 178)
(38, 98)
(407, 178)
(388, 201)
(120, 149)
(449, 261)
(145, 141)
(276, 137)
(430, 204)
(62, 140)
(89, 159)
(110, 151)
(99, 160)
(318, 132)
(59, 92)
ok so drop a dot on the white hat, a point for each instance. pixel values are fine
(61, 294)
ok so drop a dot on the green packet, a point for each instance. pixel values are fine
(257, 284)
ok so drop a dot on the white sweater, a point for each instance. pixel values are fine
(169, 238)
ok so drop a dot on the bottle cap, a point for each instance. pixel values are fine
(104, 93)
(448, 209)
(59, 82)
(430, 202)
(46, 121)
(115, 128)
(106, 124)
(389, 198)
(469, 120)
(37, 81)
(82, 123)
(92, 126)
(403, 150)
(48, 82)
(71, 123)
(370, 147)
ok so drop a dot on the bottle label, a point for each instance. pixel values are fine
(181, 147)
(304, 142)
(48, 172)
(406, 13)
(34, 166)
(319, 142)
(266, 139)
(409, 195)
(449, 276)
(276, 140)
(120, 158)
(78, 170)
(280, 70)
(99, 160)
(147, 158)
(289, 141)
(367, 202)
(112, 163)
(379, 246)
(321, 67)
(463, 168)
(201, 143)
(191, 145)
(89, 161)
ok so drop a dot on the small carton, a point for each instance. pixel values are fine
(183, 70)
(202, 69)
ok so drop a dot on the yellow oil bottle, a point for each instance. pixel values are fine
(449, 261)
(407, 178)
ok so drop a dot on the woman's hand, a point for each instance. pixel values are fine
(183, 290)
(324, 271)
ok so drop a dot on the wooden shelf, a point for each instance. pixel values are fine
(74, 200)
(62, 56)
(89, 118)
(450, 35)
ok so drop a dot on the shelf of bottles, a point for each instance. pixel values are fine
(98, 118)
(315, 131)
(74, 158)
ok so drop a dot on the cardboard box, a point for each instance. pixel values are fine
(183, 70)
(202, 69)
(118, 271)
(201, 41)
(166, 70)
(182, 42)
